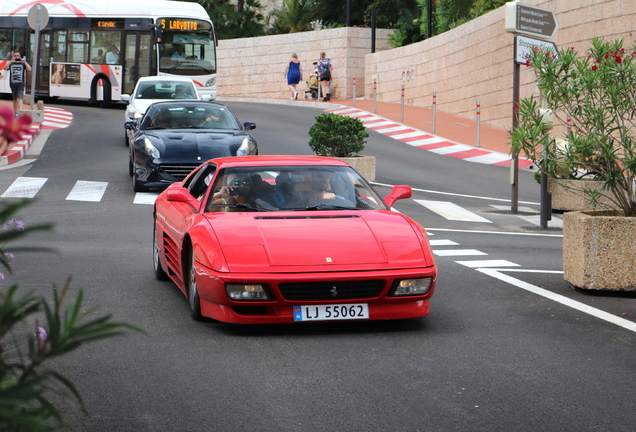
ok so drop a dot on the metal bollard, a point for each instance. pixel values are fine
(434, 109)
(478, 117)
(354, 91)
(402, 106)
(375, 88)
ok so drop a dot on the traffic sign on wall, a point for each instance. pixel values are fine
(530, 20)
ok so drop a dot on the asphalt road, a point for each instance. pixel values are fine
(495, 354)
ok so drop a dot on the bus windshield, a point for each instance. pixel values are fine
(187, 48)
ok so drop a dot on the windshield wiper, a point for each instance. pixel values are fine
(323, 206)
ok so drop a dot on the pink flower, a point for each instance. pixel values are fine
(12, 128)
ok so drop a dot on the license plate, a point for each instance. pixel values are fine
(331, 312)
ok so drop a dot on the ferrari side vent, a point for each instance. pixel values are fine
(172, 260)
(336, 290)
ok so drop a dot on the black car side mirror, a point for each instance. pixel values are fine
(249, 125)
(131, 125)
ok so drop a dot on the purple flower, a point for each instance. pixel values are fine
(42, 334)
(1, 276)
(13, 225)
(9, 256)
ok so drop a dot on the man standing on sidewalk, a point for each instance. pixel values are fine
(17, 68)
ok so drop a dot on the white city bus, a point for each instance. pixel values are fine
(97, 49)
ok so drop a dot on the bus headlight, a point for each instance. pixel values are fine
(211, 82)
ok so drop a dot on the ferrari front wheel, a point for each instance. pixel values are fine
(193, 294)
(159, 273)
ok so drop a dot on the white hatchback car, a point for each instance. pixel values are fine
(153, 89)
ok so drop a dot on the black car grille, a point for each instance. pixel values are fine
(336, 290)
(179, 171)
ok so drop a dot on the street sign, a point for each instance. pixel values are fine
(530, 20)
(38, 16)
(525, 45)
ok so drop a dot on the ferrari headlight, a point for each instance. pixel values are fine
(151, 150)
(411, 287)
(211, 82)
(247, 292)
(244, 149)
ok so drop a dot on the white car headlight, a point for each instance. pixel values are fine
(151, 150)
(411, 287)
(133, 113)
(247, 292)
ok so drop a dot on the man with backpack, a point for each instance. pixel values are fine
(324, 75)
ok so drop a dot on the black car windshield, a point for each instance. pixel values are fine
(164, 89)
(189, 116)
(292, 188)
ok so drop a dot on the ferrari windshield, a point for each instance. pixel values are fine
(295, 188)
(189, 115)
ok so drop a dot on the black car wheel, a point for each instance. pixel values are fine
(136, 186)
(193, 294)
(131, 169)
(159, 273)
(126, 137)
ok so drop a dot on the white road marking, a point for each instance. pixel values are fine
(458, 252)
(87, 191)
(452, 211)
(443, 242)
(536, 220)
(145, 198)
(521, 209)
(487, 263)
(24, 187)
(496, 273)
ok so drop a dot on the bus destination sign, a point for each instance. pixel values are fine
(178, 24)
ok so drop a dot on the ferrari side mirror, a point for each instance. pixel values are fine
(397, 193)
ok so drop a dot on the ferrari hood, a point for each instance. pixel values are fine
(181, 144)
(315, 240)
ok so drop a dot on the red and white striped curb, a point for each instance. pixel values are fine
(54, 118)
(427, 141)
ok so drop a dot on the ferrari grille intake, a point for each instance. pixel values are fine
(179, 171)
(340, 290)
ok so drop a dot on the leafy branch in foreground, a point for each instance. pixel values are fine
(34, 330)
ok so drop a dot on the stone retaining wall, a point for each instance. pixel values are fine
(473, 61)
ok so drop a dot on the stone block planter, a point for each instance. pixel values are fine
(365, 165)
(599, 250)
(568, 195)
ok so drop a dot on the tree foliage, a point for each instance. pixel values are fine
(294, 16)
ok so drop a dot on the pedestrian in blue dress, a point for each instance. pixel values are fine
(294, 74)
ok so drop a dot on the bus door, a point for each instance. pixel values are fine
(137, 59)
(44, 64)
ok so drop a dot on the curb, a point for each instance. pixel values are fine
(20, 148)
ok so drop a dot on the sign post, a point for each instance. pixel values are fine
(523, 19)
(38, 18)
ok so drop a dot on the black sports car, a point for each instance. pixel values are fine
(175, 137)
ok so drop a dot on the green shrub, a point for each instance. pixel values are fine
(334, 135)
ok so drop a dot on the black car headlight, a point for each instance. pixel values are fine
(247, 292)
(244, 149)
(411, 287)
(151, 150)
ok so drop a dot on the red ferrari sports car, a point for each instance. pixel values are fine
(277, 239)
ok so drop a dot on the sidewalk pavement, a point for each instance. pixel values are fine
(20, 148)
(454, 136)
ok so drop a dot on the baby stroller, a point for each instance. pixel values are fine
(313, 86)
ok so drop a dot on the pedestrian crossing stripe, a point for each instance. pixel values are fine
(87, 191)
(24, 187)
(452, 211)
